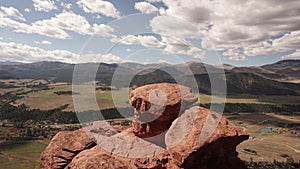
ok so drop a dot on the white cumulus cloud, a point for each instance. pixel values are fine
(24, 53)
(253, 26)
(11, 12)
(66, 5)
(27, 10)
(234, 54)
(237, 58)
(57, 26)
(46, 42)
(145, 7)
(295, 54)
(180, 46)
(44, 5)
(105, 8)
(144, 40)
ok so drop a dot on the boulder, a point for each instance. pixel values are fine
(157, 105)
(97, 158)
(203, 139)
(64, 147)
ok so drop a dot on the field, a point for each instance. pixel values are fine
(47, 99)
(9, 90)
(206, 99)
(275, 100)
(25, 155)
(272, 136)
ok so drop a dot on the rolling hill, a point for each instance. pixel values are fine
(285, 70)
(239, 80)
(237, 83)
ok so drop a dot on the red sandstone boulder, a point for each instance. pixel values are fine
(157, 105)
(97, 158)
(203, 139)
(64, 147)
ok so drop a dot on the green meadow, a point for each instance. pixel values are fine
(23, 155)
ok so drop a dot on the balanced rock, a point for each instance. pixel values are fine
(157, 105)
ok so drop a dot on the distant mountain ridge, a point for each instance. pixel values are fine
(285, 70)
(251, 80)
(10, 63)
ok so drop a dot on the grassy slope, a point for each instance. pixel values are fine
(252, 99)
(47, 99)
(25, 155)
(38, 99)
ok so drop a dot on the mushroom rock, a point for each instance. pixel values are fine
(157, 105)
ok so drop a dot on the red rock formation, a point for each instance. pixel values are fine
(204, 139)
(198, 139)
(157, 105)
(64, 147)
(97, 158)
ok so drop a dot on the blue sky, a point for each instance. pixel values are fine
(236, 32)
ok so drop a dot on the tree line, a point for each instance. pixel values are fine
(22, 113)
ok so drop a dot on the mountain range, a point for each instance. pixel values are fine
(286, 70)
(271, 79)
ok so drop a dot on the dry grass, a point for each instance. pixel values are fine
(205, 99)
(269, 146)
(21, 155)
(2, 91)
(47, 99)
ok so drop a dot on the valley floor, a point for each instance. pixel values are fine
(273, 136)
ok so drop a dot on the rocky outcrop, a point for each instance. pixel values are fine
(97, 158)
(194, 137)
(64, 147)
(157, 105)
(204, 139)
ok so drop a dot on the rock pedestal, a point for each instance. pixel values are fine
(194, 137)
